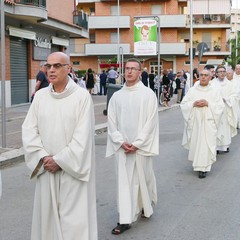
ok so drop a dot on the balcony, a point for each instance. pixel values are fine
(210, 21)
(106, 49)
(81, 19)
(215, 48)
(33, 10)
(87, 1)
(173, 21)
(36, 3)
(108, 22)
(172, 48)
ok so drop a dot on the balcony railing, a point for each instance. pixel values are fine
(210, 19)
(80, 18)
(36, 3)
(213, 46)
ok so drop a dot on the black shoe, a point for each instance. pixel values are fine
(120, 228)
(202, 174)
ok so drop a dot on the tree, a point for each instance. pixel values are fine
(234, 58)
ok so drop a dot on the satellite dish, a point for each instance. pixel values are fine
(202, 47)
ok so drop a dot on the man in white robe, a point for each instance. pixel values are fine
(236, 86)
(202, 108)
(58, 139)
(227, 128)
(0, 185)
(133, 138)
(236, 80)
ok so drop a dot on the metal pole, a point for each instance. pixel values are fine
(191, 44)
(118, 34)
(158, 49)
(120, 52)
(3, 75)
(236, 31)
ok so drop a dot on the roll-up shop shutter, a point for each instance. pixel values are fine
(19, 71)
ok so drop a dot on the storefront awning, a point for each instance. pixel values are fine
(18, 32)
(215, 61)
(60, 41)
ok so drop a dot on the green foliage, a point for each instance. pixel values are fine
(234, 58)
(81, 73)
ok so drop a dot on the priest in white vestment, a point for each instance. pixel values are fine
(228, 125)
(133, 137)
(58, 139)
(0, 185)
(236, 79)
(236, 85)
(202, 108)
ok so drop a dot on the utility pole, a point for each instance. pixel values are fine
(3, 107)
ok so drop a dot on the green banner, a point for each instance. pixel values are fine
(145, 37)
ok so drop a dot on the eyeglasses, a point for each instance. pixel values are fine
(204, 75)
(55, 65)
(127, 69)
(221, 71)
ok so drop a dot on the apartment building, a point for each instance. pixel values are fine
(235, 22)
(111, 32)
(34, 29)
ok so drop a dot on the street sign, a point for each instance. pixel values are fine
(202, 48)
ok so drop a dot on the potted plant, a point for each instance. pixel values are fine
(195, 42)
(217, 47)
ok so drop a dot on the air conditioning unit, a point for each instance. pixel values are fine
(216, 18)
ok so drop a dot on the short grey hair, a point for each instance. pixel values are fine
(135, 60)
(42, 64)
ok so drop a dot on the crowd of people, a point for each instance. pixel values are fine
(96, 84)
(167, 83)
(65, 195)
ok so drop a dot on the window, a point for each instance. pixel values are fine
(92, 38)
(92, 11)
(156, 9)
(201, 63)
(114, 37)
(114, 10)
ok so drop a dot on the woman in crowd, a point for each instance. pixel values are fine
(166, 88)
(90, 80)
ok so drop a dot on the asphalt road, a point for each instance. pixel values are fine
(188, 208)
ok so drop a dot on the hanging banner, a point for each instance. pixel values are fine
(145, 37)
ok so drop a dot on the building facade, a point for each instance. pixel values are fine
(111, 31)
(34, 29)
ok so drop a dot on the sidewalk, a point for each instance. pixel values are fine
(9, 156)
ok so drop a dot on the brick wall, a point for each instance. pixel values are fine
(62, 10)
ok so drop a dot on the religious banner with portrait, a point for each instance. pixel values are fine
(145, 37)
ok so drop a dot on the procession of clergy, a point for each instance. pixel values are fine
(64, 169)
(211, 111)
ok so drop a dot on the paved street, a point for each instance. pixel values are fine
(188, 208)
(15, 117)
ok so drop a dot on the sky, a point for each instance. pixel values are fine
(235, 4)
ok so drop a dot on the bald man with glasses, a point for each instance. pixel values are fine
(58, 140)
(202, 108)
